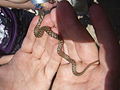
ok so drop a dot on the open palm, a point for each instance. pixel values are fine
(36, 63)
(81, 47)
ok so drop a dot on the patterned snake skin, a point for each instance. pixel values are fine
(39, 31)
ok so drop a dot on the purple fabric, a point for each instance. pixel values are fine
(11, 28)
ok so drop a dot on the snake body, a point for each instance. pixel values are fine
(39, 31)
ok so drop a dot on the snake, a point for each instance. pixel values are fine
(39, 31)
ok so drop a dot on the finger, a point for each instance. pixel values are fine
(106, 37)
(54, 20)
(50, 58)
(50, 45)
(29, 40)
(53, 63)
(72, 30)
(5, 59)
(40, 43)
(54, 59)
(51, 42)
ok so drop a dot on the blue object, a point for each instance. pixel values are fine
(37, 3)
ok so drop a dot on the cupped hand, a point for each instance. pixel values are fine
(35, 64)
(81, 47)
(43, 61)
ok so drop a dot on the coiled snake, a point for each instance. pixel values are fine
(39, 31)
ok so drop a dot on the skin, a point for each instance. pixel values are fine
(23, 4)
(18, 1)
(101, 77)
(41, 65)
(43, 61)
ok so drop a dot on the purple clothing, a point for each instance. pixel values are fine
(8, 30)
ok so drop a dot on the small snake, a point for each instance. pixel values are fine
(39, 31)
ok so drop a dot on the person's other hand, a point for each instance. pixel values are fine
(18, 1)
(23, 4)
(81, 47)
(35, 64)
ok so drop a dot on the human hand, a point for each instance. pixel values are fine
(18, 1)
(81, 47)
(35, 64)
(24, 4)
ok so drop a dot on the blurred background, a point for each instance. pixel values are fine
(112, 8)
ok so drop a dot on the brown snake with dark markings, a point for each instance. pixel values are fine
(39, 31)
